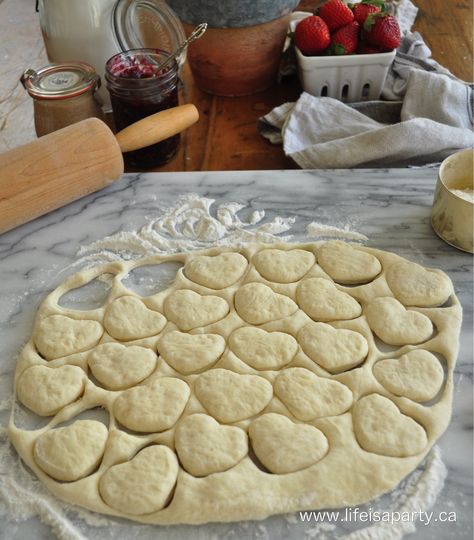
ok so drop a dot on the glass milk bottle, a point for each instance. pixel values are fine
(93, 31)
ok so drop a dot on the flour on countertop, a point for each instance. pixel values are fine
(194, 223)
(190, 224)
(319, 230)
(419, 495)
(321, 532)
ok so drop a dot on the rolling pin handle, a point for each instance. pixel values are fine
(157, 127)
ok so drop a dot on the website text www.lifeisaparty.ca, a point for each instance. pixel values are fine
(356, 515)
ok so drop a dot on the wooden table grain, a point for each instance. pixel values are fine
(226, 137)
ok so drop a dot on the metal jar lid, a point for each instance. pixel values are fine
(60, 81)
(148, 24)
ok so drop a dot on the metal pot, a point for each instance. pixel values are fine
(231, 13)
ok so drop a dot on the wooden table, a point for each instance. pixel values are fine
(226, 137)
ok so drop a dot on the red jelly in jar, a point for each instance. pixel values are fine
(138, 89)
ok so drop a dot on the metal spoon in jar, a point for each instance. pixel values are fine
(195, 34)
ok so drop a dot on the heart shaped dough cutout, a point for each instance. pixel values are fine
(56, 336)
(322, 301)
(417, 375)
(117, 366)
(45, 390)
(347, 264)
(190, 353)
(217, 272)
(128, 318)
(256, 303)
(55, 451)
(205, 447)
(263, 350)
(153, 407)
(381, 428)
(283, 266)
(142, 485)
(283, 446)
(414, 285)
(188, 309)
(395, 325)
(231, 397)
(333, 349)
(308, 396)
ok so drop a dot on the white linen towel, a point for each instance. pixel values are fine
(434, 119)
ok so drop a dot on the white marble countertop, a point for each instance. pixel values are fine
(391, 207)
(21, 47)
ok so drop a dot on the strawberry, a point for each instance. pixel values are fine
(336, 14)
(345, 40)
(312, 36)
(382, 31)
(365, 8)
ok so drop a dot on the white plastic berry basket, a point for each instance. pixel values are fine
(356, 77)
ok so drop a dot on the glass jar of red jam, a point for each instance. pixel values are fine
(139, 88)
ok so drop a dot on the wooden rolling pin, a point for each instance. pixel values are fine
(74, 161)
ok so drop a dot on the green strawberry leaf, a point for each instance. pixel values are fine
(370, 21)
(379, 3)
(338, 49)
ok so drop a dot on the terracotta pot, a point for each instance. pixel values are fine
(240, 52)
(237, 61)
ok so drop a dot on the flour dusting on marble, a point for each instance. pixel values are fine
(195, 222)
(419, 494)
(321, 532)
(320, 230)
(189, 224)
